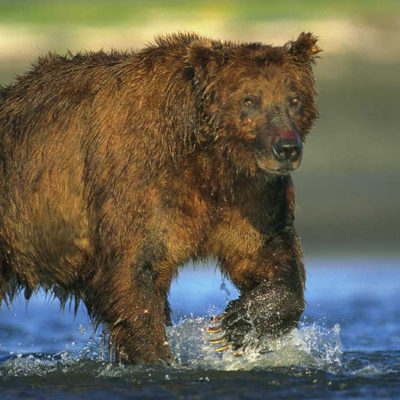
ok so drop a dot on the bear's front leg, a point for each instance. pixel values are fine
(267, 268)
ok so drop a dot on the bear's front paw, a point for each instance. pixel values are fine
(266, 312)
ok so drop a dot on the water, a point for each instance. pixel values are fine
(347, 345)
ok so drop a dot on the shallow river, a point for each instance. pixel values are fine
(347, 345)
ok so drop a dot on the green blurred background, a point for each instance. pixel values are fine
(348, 189)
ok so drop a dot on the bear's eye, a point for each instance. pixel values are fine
(249, 102)
(295, 101)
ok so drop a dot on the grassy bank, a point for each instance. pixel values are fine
(103, 12)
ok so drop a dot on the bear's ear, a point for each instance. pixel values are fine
(304, 48)
(202, 58)
(199, 53)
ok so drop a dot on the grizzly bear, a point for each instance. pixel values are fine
(117, 168)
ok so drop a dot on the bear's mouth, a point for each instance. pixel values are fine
(277, 171)
(272, 166)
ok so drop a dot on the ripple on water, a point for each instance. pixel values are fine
(308, 357)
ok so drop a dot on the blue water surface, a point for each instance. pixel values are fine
(347, 345)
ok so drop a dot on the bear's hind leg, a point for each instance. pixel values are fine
(133, 314)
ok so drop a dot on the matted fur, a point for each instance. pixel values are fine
(117, 168)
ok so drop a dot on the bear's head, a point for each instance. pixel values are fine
(257, 102)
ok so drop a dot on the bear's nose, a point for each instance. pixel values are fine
(287, 149)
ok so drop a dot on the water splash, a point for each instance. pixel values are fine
(309, 346)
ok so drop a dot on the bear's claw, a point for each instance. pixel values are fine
(222, 348)
(214, 329)
(218, 318)
(219, 340)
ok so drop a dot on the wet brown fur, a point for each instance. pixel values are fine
(117, 168)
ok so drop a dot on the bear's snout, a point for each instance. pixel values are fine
(287, 147)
